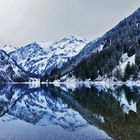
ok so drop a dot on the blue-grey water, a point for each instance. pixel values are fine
(84, 113)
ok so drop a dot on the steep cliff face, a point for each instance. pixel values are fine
(9, 70)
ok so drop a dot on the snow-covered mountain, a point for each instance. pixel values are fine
(9, 48)
(41, 57)
(9, 70)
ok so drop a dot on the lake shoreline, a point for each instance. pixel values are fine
(118, 83)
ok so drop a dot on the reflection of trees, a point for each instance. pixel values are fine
(98, 102)
(103, 107)
(107, 103)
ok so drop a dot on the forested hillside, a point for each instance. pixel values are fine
(120, 56)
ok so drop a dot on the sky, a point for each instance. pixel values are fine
(27, 21)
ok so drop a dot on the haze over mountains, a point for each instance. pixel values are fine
(115, 55)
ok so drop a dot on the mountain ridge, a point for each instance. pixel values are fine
(40, 58)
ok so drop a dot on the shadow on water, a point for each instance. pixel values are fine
(116, 110)
(75, 114)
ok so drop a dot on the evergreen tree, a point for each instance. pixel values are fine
(130, 71)
(44, 78)
(118, 74)
(138, 56)
(124, 38)
(127, 72)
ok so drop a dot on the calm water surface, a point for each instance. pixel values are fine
(85, 113)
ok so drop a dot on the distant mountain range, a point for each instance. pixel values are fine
(40, 58)
(115, 55)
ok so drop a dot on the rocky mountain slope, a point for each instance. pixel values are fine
(9, 48)
(40, 58)
(9, 70)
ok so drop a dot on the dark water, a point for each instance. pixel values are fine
(49, 113)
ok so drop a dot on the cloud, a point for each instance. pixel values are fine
(24, 21)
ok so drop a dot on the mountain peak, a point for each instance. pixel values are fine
(70, 37)
(41, 57)
(8, 48)
(73, 38)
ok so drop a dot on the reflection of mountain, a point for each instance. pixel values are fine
(38, 106)
(116, 110)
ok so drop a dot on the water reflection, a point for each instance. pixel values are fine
(34, 112)
(31, 105)
(115, 109)
(26, 110)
